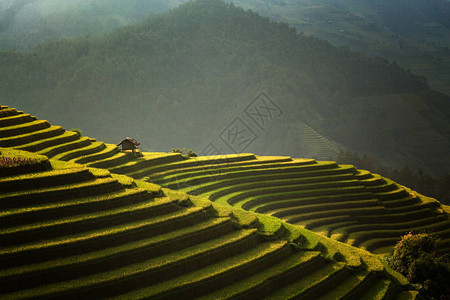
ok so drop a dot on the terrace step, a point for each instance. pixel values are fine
(392, 226)
(264, 204)
(193, 163)
(64, 192)
(218, 275)
(410, 199)
(355, 227)
(79, 223)
(276, 179)
(382, 188)
(314, 223)
(10, 131)
(259, 285)
(328, 230)
(363, 174)
(395, 194)
(38, 135)
(387, 217)
(258, 161)
(373, 244)
(39, 145)
(353, 212)
(442, 233)
(59, 148)
(92, 147)
(314, 189)
(179, 167)
(154, 270)
(102, 238)
(53, 271)
(443, 245)
(108, 152)
(16, 120)
(314, 284)
(137, 164)
(112, 162)
(372, 181)
(352, 288)
(233, 171)
(379, 290)
(61, 209)
(360, 237)
(302, 209)
(413, 207)
(7, 112)
(254, 166)
(44, 179)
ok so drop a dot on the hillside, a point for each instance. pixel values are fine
(70, 230)
(349, 205)
(415, 34)
(27, 23)
(189, 73)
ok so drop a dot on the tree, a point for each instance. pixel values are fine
(415, 256)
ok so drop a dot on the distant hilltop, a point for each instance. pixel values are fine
(186, 75)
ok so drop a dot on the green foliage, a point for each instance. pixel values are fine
(25, 24)
(189, 153)
(78, 131)
(415, 257)
(124, 180)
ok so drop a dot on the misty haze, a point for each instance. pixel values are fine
(287, 125)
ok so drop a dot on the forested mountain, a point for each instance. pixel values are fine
(26, 23)
(187, 78)
(414, 34)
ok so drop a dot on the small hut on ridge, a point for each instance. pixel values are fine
(129, 144)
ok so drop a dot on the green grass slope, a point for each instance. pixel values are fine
(353, 206)
(338, 201)
(74, 232)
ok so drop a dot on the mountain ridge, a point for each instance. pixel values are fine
(178, 72)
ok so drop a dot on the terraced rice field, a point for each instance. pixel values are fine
(353, 206)
(72, 230)
(68, 231)
(316, 143)
(339, 201)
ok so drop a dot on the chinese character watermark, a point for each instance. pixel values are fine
(263, 110)
(238, 135)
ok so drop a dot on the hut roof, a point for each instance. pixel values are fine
(136, 143)
(129, 142)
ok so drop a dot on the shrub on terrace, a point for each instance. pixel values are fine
(190, 153)
(416, 258)
(176, 150)
(78, 131)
